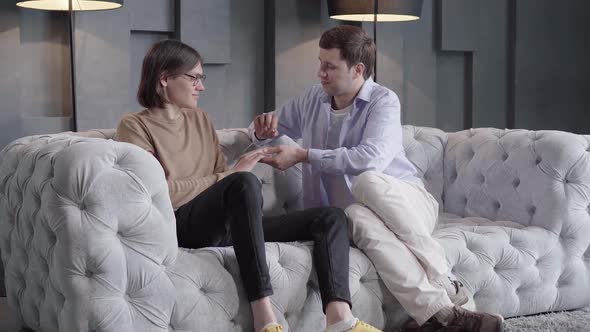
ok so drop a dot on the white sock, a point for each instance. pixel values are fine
(342, 326)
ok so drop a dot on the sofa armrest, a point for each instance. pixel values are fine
(86, 233)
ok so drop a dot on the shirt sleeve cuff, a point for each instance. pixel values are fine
(255, 140)
(315, 158)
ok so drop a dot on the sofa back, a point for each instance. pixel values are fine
(534, 178)
(425, 147)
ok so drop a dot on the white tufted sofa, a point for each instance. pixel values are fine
(88, 242)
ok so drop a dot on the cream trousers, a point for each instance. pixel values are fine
(392, 223)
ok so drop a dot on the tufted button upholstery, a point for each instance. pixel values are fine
(424, 147)
(62, 200)
(513, 242)
(81, 214)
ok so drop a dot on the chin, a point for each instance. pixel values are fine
(327, 90)
(192, 104)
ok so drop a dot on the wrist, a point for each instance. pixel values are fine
(302, 155)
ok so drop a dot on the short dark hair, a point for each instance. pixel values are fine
(168, 56)
(354, 44)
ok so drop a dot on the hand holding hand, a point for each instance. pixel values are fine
(265, 126)
(248, 160)
(283, 156)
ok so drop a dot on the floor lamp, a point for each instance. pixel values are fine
(72, 6)
(376, 11)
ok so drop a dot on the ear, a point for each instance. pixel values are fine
(164, 79)
(359, 69)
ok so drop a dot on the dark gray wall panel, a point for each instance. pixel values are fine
(44, 125)
(552, 67)
(298, 30)
(234, 92)
(459, 25)
(406, 63)
(34, 73)
(419, 93)
(299, 25)
(390, 56)
(9, 81)
(44, 64)
(245, 85)
(151, 15)
(450, 82)
(490, 63)
(102, 67)
(205, 25)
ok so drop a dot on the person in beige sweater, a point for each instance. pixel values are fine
(218, 206)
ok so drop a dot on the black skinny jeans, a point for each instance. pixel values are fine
(230, 213)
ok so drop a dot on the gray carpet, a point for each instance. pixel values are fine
(567, 321)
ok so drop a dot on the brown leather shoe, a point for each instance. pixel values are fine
(473, 321)
(432, 325)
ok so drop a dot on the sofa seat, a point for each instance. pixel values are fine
(210, 296)
(514, 269)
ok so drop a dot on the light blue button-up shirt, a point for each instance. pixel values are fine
(370, 139)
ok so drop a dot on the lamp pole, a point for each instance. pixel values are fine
(74, 124)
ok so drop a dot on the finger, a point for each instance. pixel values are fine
(257, 151)
(249, 153)
(259, 124)
(268, 120)
(274, 123)
(254, 157)
(269, 161)
(272, 149)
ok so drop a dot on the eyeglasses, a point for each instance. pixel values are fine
(196, 79)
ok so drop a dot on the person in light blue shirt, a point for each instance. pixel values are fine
(369, 137)
(353, 158)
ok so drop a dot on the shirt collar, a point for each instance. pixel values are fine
(364, 93)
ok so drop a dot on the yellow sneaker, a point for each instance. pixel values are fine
(272, 328)
(361, 326)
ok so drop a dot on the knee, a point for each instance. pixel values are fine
(245, 180)
(332, 218)
(244, 183)
(364, 179)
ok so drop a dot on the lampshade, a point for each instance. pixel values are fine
(78, 5)
(364, 10)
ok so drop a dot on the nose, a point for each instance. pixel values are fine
(200, 86)
(321, 73)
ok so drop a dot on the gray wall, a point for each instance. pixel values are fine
(480, 63)
(465, 63)
(552, 65)
(110, 45)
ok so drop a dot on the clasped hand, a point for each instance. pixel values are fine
(280, 156)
